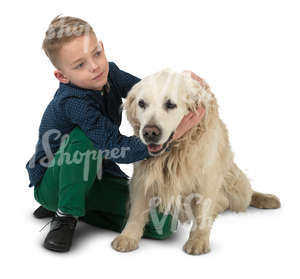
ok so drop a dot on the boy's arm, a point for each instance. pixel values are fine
(103, 133)
(123, 79)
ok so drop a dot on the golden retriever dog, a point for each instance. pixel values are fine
(194, 177)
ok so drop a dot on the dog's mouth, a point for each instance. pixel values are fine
(156, 149)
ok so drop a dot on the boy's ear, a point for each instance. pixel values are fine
(101, 44)
(61, 77)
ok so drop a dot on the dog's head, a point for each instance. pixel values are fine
(156, 105)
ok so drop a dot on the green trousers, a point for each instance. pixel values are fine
(72, 185)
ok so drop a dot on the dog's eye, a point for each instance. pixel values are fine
(170, 105)
(142, 104)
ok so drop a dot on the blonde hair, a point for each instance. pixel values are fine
(60, 31)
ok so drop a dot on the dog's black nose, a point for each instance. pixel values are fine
(151, 134)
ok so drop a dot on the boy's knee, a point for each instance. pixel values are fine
(78, 136)
(78, 141)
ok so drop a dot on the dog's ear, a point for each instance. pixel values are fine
(198, 93)
(130, 107)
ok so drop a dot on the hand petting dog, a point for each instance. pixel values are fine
(193, 118)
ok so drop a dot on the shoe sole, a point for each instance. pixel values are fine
(55, 248)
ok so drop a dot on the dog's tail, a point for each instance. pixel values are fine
(267, 201)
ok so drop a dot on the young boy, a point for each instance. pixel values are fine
(72, 177)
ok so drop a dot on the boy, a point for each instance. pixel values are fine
(72, 177)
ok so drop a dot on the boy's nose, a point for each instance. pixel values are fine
(93, 67)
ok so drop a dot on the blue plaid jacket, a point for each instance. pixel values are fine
(98, 114)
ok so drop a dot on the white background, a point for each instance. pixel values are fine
(248, 51)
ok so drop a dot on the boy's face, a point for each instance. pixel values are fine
(82, 61)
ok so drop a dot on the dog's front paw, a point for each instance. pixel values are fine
(196, 246)
(124, 244)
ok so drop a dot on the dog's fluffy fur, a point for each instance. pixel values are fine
(200, 162)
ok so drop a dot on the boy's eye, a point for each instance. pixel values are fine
(79, 65)
(98, 53)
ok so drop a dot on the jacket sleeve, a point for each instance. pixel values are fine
(103, 133)
(123, 79)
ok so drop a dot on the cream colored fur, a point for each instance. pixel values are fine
(200, 163)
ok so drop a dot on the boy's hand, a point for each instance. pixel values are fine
(188, 121)
(193, 118)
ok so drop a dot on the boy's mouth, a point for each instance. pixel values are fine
(98, 76)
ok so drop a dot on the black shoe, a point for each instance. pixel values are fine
(42, 212)
(61, 232)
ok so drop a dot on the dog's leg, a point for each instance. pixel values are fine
(238, 189)
(204, 214)
(241, 195)
(138, 217)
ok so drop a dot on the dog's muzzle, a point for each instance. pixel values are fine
(155, 149)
